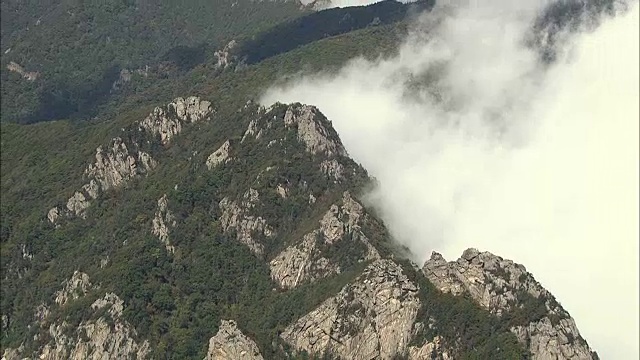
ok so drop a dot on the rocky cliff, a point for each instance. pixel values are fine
(504, 288)
(371, 318)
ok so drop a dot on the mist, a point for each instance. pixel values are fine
(475, 142)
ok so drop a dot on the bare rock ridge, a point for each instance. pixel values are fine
(123, 158)
(108, 336)
(371, 318)
(303, 261)
(231, 344)
(502, 286)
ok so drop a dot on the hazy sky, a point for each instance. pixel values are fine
(539, 166)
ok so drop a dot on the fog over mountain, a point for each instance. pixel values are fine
(476, 142)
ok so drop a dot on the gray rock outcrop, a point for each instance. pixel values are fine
(369, 318)
(100, 339)
(108, 336)
(231, 344)
(304, 262)
(501, 286)
(223, 56)
(236, 216)
(78, 285)
(115, 166)
(123, 159)
(432, 350)
(333, 169)
(168, 121)
(220, 156)
(162, 221)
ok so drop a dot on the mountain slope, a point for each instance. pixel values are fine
(262, 227)
(186, 221)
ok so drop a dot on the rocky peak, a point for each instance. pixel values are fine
(491, 280)
(507, 289)
(314, 130)
(114, 166)
(102, 338)
(231, 344)
(370, 318)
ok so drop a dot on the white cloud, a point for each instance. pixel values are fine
(540, 166)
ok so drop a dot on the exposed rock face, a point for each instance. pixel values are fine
(236, 217)
(370, 318)
(222, 155)
(313, 130)
(115, 166)
(168, 121)
(282, 190)
(13, 354)
(122, 160)
(77, 204)
(300, 263)
(430, 350)
(107, 337)
(549, 341)
(53, 215)
(252, 130)
(303, 262)
(500, 286)
(162, 221)
(231, 344)
(484, 276)
(73, 288)
(29, 75)
(223, 56)
(96, 339)
(333, 169)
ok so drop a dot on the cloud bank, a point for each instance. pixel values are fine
(476, 143)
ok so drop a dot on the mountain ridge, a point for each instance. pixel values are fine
(327, 235)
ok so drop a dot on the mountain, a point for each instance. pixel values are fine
(255, 243)
(182, 219)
